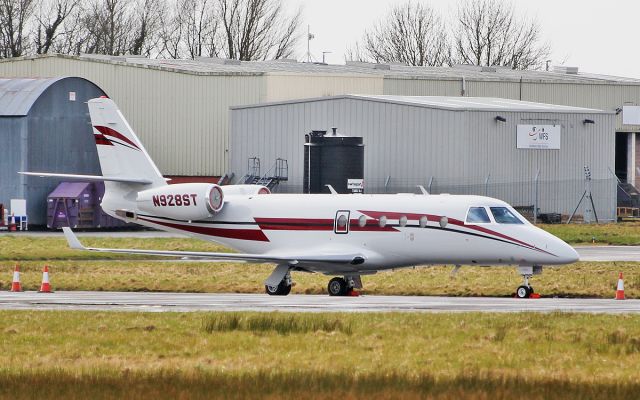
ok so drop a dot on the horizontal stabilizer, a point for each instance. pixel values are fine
(88, 178)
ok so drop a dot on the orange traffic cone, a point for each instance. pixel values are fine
(15, 284)
(46, 286)
(620, 289)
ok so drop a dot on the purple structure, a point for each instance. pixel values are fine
(77, 205)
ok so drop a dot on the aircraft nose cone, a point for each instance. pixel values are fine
(567, 254)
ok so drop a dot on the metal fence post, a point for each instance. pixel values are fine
(486, 186)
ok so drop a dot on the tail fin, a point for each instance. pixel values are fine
(119, 150)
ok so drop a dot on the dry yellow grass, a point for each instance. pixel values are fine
(577, 280)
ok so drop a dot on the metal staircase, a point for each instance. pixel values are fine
(628, 195)
(279, 172)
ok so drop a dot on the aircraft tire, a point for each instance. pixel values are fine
(524, 292)
(337, 287)
(281, 290)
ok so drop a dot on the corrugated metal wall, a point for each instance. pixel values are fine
(407, 145)
(296, 86)
(600, 96)
(181, 118)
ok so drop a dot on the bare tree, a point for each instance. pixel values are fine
(147, 24)
(257, 29)
(412, 34)
(107, 25)
(200, 28)
(14, 18)
(490, 33)
(50, 18)
(172, 32)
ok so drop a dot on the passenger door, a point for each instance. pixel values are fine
(341, 222)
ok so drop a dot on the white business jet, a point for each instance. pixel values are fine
(345, 236)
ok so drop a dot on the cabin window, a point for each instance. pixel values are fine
(342, 222)
(362, 221)
(503, 215)
(382, 221)
(403, 221)
(423, 221)
(477, 215)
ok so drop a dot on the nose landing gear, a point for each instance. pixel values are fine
(344, 286)
(525, 291)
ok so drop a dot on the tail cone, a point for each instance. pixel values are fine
(15, 284)
(620, 288)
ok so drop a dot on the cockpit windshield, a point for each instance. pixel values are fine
(503, 215)
(477, 215)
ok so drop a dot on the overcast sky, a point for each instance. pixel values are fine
(596, 36)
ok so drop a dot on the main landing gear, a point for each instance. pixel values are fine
(344, 286)
(525, 291)
(279, 283)
(281, 289)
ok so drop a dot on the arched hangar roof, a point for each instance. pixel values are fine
(18, 95)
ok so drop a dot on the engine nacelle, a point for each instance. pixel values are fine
(185, 201)
(245, 190)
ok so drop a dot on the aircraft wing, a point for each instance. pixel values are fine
(293, 259)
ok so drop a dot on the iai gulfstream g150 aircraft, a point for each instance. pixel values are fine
(346, 236)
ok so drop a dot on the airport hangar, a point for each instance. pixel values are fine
(458, 145)
(44, 126)
(180, 108)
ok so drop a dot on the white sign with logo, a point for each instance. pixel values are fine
(355, 184)
(539, 137)
(630, 115)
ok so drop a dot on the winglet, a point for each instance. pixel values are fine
(72, 239)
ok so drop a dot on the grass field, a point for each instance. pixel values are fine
(627, 233)
(78, 270)
(577, 280)
(78, 355)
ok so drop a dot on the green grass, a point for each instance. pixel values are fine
(576, 280)
(627, 233)
(280, 323)
(384, 356)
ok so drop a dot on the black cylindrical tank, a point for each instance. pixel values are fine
(331, 159)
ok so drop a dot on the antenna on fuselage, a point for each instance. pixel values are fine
(423, 190)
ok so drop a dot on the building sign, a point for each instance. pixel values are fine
(355, 185)
(631, 115)
(540, 137)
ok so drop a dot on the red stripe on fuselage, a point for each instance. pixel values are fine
(105, 130)
(241, 234)
(299, 224)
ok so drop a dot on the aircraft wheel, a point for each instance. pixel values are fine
(337, 287)
(524, 292)
(281, 290)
